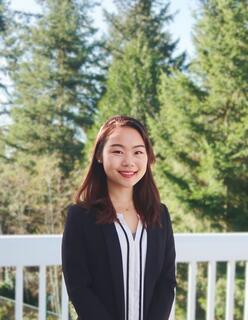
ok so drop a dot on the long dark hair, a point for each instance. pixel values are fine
(93, 191)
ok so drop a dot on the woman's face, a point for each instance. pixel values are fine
(124, 158)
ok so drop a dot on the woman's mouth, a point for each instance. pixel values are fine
(127, 174)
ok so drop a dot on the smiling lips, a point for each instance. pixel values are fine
(127, 174)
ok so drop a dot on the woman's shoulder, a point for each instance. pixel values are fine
(165, 213)
(77, 212)
(77, 207)
(163, 206)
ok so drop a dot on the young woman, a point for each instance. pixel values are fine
(118, 253)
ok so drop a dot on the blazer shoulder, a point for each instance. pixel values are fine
(76, 213)
(165, 214)
(76, 207)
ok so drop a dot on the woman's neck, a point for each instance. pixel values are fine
(122, 201)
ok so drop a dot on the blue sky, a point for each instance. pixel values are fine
(180, 28)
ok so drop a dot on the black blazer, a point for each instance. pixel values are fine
(92, 267)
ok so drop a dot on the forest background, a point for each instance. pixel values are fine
(60, 82)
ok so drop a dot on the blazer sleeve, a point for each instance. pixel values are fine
(164, 290)
(76, 272)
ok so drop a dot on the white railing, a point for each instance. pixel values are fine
(32, 250)
(45, 250)
(213, 248)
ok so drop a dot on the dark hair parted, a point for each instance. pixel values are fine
(93, 192)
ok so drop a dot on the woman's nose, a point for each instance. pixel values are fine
(127, 161)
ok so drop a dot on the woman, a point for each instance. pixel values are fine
(118, 253)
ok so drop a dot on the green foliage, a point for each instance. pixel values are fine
(130, 86)
(35, 202)
(7, 310)
(4, 12)
(141, 48)
(200, 134)
(1, 16)
(56, 89)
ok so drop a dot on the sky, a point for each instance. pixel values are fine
(180, 28)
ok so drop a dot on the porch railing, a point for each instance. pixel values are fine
(21, 251)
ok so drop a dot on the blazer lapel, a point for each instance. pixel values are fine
(151, 266)
(115, 258)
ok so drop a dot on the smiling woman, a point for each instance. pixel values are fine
(118, 252)
(122, 144)
(124, 156)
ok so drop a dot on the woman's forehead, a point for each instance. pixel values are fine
(125, 134)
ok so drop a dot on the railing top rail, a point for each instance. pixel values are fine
(34, 250)
(212, 247)
(28, 236)
(30, 250)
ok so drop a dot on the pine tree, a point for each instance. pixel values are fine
(140, 49)
(6, 23)
(202, 129)
(56, 84)
(2, 22)
(3, 27)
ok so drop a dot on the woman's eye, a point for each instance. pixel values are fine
(119, 151)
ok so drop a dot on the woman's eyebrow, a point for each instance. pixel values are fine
(120, 145)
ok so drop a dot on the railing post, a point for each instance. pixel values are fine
(65, 309)
(211, 290)
(230, 289)
(191, 291)
(42, 293)
(246, 292)
(173, 309)
(19, 293)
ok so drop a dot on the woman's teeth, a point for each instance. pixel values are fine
(127, 174)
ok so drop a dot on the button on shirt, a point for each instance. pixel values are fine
(133, 250)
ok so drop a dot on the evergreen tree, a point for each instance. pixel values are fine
(2, 22)
(3, 26)
(6, 23)
(56, 84)
(140, 48)
(201, 131)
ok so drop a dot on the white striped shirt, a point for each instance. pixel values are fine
(133, 250)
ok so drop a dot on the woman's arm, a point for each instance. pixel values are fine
(75, 269)
(164, 290)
